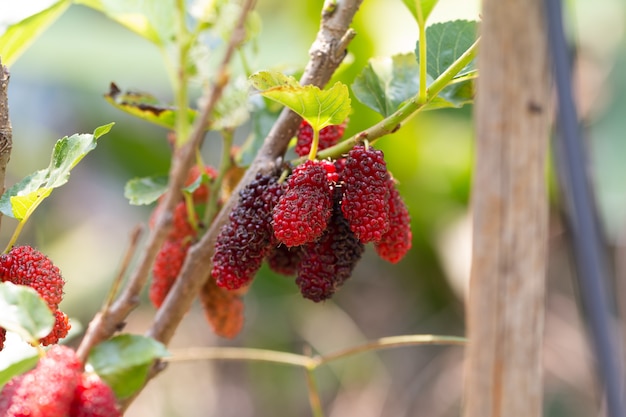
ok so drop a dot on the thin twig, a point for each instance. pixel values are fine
(308, 361)
(325, 58)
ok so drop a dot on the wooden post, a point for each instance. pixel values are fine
(505, 310)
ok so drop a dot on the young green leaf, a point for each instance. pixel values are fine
(152, 19)
(446, 42)
(145, 106)
(320, 108)
(24, 197)
(20, 35)
(124, 361)
(387, 82)
(24, 312)
(426, 6)
(146, 190)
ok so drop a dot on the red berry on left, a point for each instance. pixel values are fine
(24, 265)
(168, 263)
(47, 390)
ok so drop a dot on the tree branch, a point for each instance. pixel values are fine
(326, 52)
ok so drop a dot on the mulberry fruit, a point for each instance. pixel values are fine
(366, 193)
(59, 331)
(47, 390)
(167, 265)
(397, 241)
(223, 309)
(284, 260)
(328, 262)
(24, 265)
(329, 136)
(303, 211)
(93, 398)
(246, 239)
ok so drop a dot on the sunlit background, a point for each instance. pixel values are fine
(56, 89)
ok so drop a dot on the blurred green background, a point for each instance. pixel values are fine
(56, 90)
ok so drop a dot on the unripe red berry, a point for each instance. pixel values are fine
(397, 241)
(47, 390)
(167, 266)
(366, 193)
(303, 211)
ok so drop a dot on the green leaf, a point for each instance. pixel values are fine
(145, 106)
(24, 197)
(19, 36)
(320, 108)
(152, 19)
(24, 312)
(123, 362)
(445, 43)
(20, 366)
(142, 191)
(426, 6)
(387, 82)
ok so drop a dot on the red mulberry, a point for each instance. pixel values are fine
(93, 398)
(24, 265)
(303, 211)
(366, 193)
(329, 136)
(397, 241)
(167, 265)
(59, 331)
(47, 390)
(246, 239)
(328, 262)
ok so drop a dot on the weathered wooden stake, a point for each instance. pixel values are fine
(505, 310)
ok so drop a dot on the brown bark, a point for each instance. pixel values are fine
(505, 310)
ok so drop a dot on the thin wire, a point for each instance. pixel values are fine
(572, 165)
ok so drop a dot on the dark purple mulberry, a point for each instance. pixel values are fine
(328, 262)
(366, 193)
(246, 239)
(303, 211)
(284, 260)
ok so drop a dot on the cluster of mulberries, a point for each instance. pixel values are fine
(316, 224)
(57, 387)
(23, 265)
